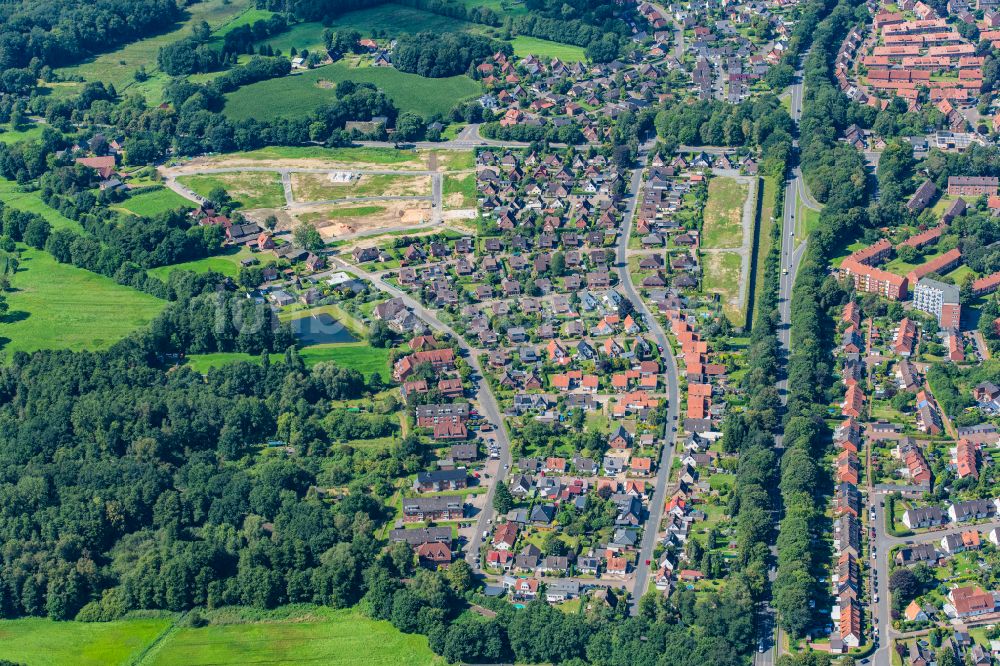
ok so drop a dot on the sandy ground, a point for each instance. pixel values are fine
(395, 214)
(318, 187)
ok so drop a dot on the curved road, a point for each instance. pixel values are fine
(484, 396)
(652, 526)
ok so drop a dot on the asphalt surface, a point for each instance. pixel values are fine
(771, 640)
(656, 503)
(488, 407)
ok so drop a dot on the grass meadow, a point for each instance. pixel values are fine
(59, 306)
(31, 202)
(154, 202)
(227, 263)
(723, 228)
(251, 189)
(43, 642)
(358, 355)
(298, 94)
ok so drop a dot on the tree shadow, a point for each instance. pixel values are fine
(14, 317)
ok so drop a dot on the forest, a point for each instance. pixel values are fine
(445, 54)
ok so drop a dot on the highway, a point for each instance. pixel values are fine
(791, 258)
(656, 503)
(484, 396)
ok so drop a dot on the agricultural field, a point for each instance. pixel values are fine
(43, 642)
(358, 355)
(227, 263)
(31, 202)
(251, 189)
(155, 202)
(723, 227)
(526, 46)
(118, 67)
(327, 637)
(59, 306)
(300, 93)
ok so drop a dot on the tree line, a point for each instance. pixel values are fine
(437, 55)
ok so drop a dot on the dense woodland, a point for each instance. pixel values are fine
(445, 54)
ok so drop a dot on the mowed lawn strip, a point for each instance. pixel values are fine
(252, 189)
(59, 306)
(723, 226)
(334, 638)
(43, 642)
(298, 94)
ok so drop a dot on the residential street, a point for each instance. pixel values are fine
(484, 396)
(656, 503)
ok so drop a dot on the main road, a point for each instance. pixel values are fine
(791, 257)
(658, 499)
(484, 396)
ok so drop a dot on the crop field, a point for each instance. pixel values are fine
(723, 226)
(358, 355)
(318, 186)
(118, 67)
(227, 263)
(525, 46)
(298, 94)
(42, 642)
(251, 189)
(155, 202)
(59, 306)
(332, 638)
(32, 202)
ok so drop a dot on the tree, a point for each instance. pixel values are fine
(380, 335)
(460, 576)
(503, 500)
(410, 127)
(902, 582)
(307, 237)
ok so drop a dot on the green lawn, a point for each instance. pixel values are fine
(357, 355)
(298, 94)
(525, 46)
(766, 224)
(42, 642)
(59, 306)
(227, 263)
(155, 202)
(339, 213)
(326, 637)
(723, 226)
(300, 36)
(118, 67)
(251, 189)
(32, 202)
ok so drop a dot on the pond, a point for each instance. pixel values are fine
(320, 329)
